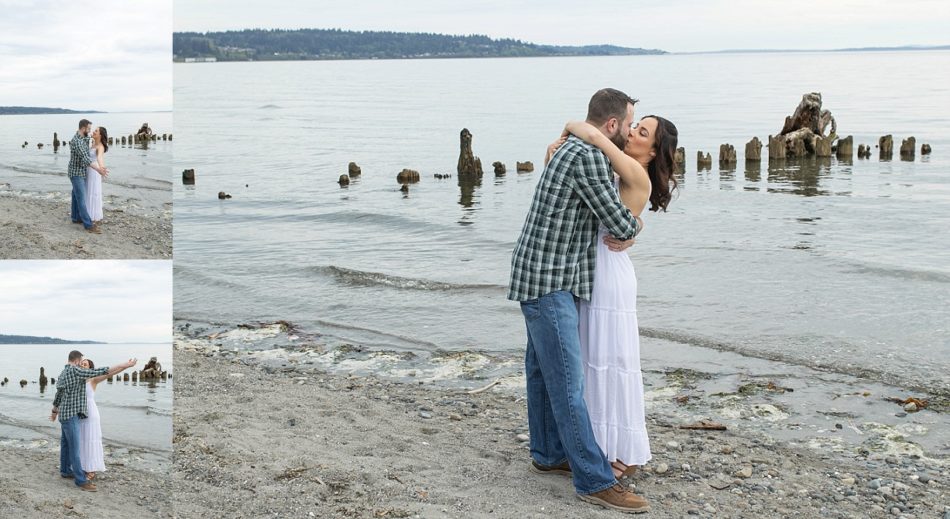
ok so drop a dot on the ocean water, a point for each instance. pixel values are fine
(133, 414)
(138, 180)
(839, 265)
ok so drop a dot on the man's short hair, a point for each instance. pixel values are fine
(75, 355)
(83, 123)
(607, 103)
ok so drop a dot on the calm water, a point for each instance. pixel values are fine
(132, 414)
(138, 175)
(821, 263)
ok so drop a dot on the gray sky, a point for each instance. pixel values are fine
(111, 301)
(672, 25)
(106, 55)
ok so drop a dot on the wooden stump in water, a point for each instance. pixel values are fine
(908, 147)
(343, 181)
(469, 165)
(822, 146)
(188, 177)
(925, 149)
(753, 150)
(500, 169)
(679, 157)
(524, 167)
(886, 146)
(703, 161)
(353, 170)
(845, 148)
(776, 147)
(407, 176)
(727, 154)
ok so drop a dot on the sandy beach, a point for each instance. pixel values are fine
(34, 228)
(33, 488)
(275, 433)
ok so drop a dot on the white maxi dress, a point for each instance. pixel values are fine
(93, 190)
(90, 435)
(610, 349)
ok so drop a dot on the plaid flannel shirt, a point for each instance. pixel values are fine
(79, 158)
(71, 390)
(557, 249)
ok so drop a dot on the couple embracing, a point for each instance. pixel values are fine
(80, 446)
(87, 168)
(577, 290)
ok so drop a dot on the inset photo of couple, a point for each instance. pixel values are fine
(495, 260)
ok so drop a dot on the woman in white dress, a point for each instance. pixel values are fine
(100, 146)
(609, 331)
(90, 429)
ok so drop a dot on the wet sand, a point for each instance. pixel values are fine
(34, 228)
(295, 432)
(33, 488)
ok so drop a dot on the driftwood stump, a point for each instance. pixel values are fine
(753, 150)
(805, 126)
(886, 146)
(680, 156)
(469, 165)
(845, 148)
(908, 147)
(727, 154)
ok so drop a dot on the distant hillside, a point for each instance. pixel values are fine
(319, 44)
(29, 339)
(33, 110)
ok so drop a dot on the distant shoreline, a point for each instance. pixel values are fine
(42, 110)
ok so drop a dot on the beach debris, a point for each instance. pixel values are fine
(440, 176)
(25, 144)
(353, 170)
(908, 148)
(845, 149)
(524, 167)
(886, 146)
(344, 180)
(911, 404)
(39, 145)
(804, 130)
(291, 473)
(469, 165)
(407, 176)
(661, 468)
(679, 157)
(753, 150)
(5, 380)
(727, 154)
(745, 472)
(864, 151)
(222, 195)
(43, 379)
(152, 369)
(484, 388)
(404, 188)
(23, 382)
(499, 168)
(188, 177)
(68, 503)
(703, 161)
(925, 149)
(164, 136)
(704, 425)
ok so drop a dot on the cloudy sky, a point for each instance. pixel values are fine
(111, 301)
(671, 25)
(107, 55)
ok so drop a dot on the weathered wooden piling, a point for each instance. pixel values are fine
(679, 156)
(822, 146)
(845, 148)
(499, 168)
(524, 167)
(123, 140)
(776, 147)
(925, 149)
(753, 150)
(469, 165)
(223, 196)
(23, 382)
(343, 181)
(908, 148)
(353, 170)
(727, 154)
(135, 376)
(407, 176)
(56, 142)
(188, 177)
(43, 379)
(39, 145)
(886, 146)
(703, 161)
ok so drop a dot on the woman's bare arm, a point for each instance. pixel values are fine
(634, 182)
(100, 151)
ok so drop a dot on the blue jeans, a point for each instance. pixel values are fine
(79, 211)
(69, 462)
(557, 413)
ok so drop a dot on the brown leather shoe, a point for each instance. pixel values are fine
(563, 468)
(94, 229)
(88, 486)
(618, 498)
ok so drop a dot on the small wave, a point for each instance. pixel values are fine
(902, 273)
(269, 107)
(362, 278)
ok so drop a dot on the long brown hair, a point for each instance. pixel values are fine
(660, 169)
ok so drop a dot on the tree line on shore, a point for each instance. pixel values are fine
(308, 44)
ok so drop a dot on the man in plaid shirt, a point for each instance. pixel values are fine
(70, 405)
(79, 160)
(552, 265)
